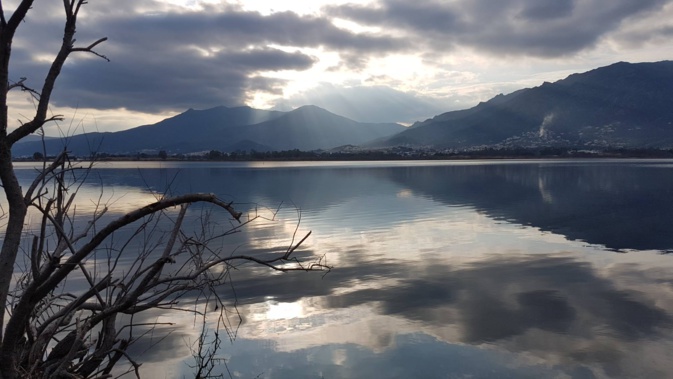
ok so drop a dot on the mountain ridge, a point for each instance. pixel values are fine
(224, 129)
(620, 105)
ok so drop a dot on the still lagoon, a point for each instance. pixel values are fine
(479, 269)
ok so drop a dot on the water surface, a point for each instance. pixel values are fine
(482, 269)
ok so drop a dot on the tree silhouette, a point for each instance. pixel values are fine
(46, 330)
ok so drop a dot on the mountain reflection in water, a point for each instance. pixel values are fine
(442, 269)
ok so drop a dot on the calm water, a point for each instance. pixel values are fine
(480, 269)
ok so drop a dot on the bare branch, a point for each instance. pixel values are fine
(127, 219)
(293, 248)
(20, 84)
(50, 319)
(72, 10)
(89, 49)
(60, 159)
(78, 302)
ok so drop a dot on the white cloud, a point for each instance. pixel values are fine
(170, 55)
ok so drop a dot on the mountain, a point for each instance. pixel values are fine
(621, 105)
(311, 128)
(225, 129)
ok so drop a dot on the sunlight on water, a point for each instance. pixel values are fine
(441, 269)
(280, 311)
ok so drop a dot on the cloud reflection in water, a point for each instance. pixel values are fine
(489, 270)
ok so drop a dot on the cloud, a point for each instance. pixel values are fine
(510, 27)
(367, 103)
(653, 31)
(548, 306)
(410, 356)
(174, 79)
(548, 9)
(554, 308)
(167, 58)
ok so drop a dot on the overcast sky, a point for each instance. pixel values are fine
(381, 60)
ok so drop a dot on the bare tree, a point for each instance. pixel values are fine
(48, 329)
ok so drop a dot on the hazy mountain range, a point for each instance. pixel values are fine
(621, 105)
(226, 129)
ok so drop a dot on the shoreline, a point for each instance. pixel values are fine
(369, 156)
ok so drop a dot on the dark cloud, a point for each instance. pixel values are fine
(164, 59)
(176, 79)
(233, 28)
(548, 9)
(517, 27)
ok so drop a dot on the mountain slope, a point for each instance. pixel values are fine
(225, 129)
(189, 131)
(311, 127)
(621, 105)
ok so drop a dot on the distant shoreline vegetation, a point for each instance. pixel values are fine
(400, 153)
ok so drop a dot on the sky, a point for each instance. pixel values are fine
(369, 60)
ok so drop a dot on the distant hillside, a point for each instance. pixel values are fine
(311, 127)
(621, 105)
(225, 129)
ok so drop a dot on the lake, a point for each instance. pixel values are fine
(480, 269)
